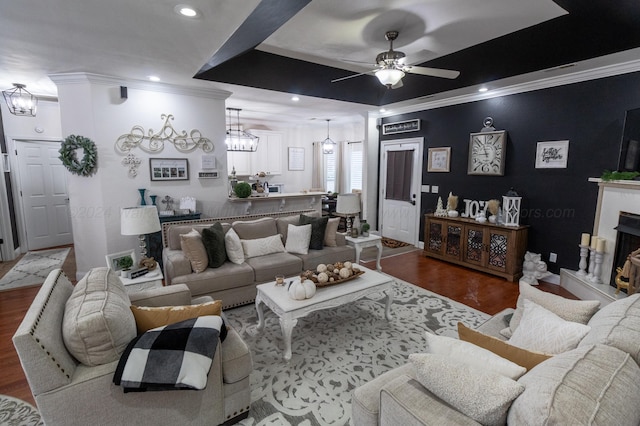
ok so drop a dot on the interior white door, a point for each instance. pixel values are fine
(400, 189)
(44, 195)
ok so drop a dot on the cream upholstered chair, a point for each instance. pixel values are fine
(68, 392)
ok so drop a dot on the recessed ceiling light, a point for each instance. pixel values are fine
(154, 78)
(295, 98)
(382, 110)
(185, 10)
(482, 89)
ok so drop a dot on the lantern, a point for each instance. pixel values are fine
(511, 208)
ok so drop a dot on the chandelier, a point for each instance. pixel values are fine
(20, 101)
(238, 139)
(328, 145)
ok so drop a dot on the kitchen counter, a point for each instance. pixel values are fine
(314, 198)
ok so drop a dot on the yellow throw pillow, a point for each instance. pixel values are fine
(193, 247)
(148, 317)
(523, 357)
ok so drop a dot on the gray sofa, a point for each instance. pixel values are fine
(68, 392)
(235, 284)
(598, 382)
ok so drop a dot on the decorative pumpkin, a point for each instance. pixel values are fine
(300, 290)
(323, 277)
(345, 273)
(322, 268)
(348, 265)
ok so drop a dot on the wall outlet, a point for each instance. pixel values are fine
(553, 257)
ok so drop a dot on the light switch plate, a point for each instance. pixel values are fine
(435, 189)
(425, 188)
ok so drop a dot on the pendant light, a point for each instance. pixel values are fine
(20, 101)
(328, 145)
(239, 140)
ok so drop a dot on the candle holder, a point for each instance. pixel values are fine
(592, 262)
(584, 252)
(596, 270)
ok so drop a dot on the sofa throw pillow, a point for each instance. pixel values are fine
(523, 357)
(459, 351)
(213, 240)
(233, 247)
(543, 331)
(152, 317)
(193, 248)
(330, 232)
(97, 324)
(298, 239)
(262, 246)
(579, 311)
(483, 395)
(318, 228)
(282, 223)
(589, 385)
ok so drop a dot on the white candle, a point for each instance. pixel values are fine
(585, 239)
(594, 242)
(602, 243)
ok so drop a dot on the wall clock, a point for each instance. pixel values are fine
(487, 153)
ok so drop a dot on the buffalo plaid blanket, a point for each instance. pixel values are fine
(175, 356)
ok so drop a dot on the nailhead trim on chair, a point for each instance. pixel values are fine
(37, 322)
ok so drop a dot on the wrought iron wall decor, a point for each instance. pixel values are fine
(154, 142)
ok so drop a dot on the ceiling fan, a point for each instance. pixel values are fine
(391, 67)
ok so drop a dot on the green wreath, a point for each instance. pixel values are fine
(87, 165)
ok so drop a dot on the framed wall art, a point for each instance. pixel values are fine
(169, 168)
(122, 260)
(439, 159)
(296, 158)
(552, 155)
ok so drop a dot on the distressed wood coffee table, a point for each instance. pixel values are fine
(289, 310)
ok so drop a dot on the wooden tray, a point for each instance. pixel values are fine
(344, 280)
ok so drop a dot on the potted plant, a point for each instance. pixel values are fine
(124, 264)
(364, 228)
(242, 190)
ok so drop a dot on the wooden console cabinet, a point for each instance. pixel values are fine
(486, 247)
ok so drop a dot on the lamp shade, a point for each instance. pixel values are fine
(139, 220)
(389, 76)
(348, 204)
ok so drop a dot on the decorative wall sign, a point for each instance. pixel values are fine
(401, 127)
(296, 158)
(552, 155)
(154, 142)
(439, 159)
(169, 168)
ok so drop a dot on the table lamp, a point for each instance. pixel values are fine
(349, 206)
(139, 221)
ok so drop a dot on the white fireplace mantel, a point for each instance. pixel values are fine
(613, 197)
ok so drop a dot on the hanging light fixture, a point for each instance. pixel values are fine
(20, 101)
(389, 76)
(328, 145)
(238, 139)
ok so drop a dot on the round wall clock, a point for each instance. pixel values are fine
(487, 153)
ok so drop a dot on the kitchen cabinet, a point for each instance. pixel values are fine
(267, 158)
(486, 247)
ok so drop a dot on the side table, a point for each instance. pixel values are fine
(361, 242)
(151, 279)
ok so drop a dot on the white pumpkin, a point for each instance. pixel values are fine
(302, 290)
(322, 268)
(348, 265)
(323, 277)
(345, 273)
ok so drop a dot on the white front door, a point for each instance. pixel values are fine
(43, 190)
(400, 177)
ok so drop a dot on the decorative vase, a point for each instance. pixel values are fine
(143, 202)
(452, 213)
(493, 218)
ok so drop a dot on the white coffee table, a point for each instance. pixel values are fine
(361, 242)
(289, 310)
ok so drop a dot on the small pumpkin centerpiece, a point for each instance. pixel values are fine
(332, 273)
(301, 289)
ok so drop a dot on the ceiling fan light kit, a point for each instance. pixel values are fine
(389, 76)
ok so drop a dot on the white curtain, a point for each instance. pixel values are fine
(318, 179)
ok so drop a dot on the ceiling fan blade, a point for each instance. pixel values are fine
(433, 72)
(352, 75)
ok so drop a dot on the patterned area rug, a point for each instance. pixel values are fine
(390, 242)
(16, 412)
(33, 268)
(337, 350)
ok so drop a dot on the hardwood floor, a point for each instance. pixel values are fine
(478, 290)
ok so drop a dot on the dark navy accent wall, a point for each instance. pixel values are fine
(558, 204)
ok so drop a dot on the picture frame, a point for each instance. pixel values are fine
(296, 159)
(439, 159)
(552, 155)
(401, 127)
(118, 262)
(161, 169)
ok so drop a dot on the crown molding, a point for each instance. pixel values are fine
(103, 80)
(507, 87)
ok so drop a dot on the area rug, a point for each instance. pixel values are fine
(33, 268)
(16, 412)
(390, 242)
(337, 350)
